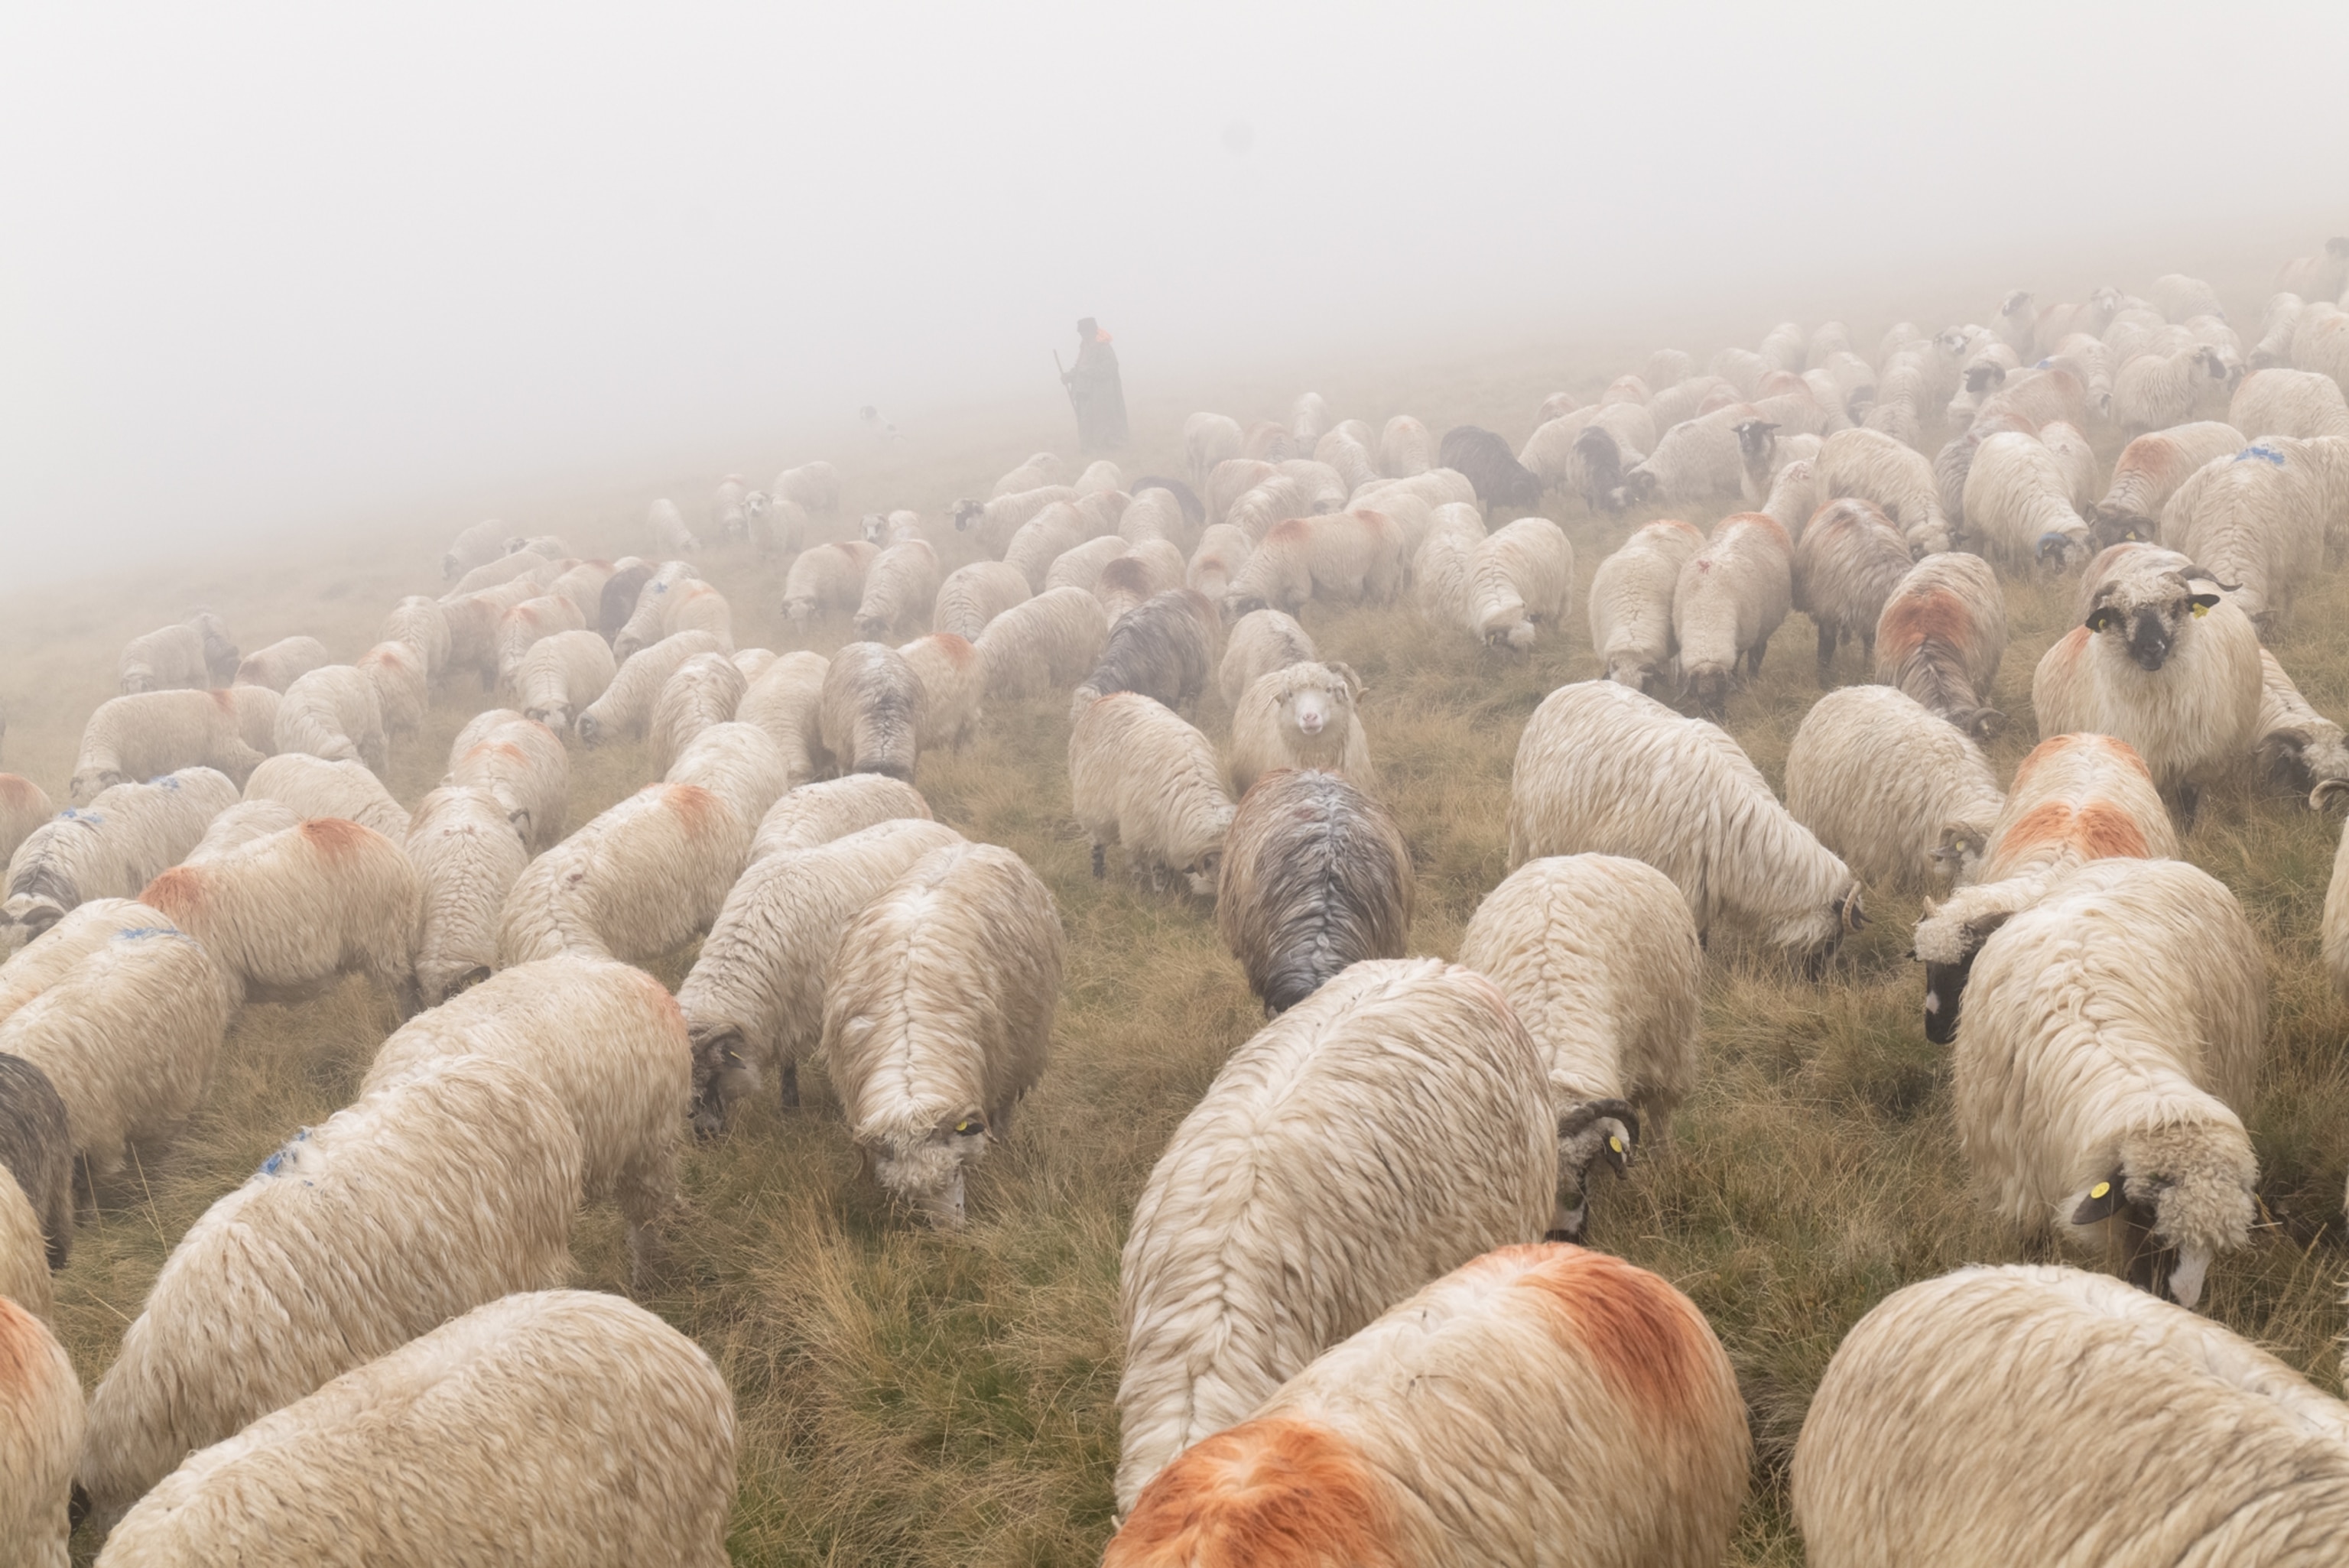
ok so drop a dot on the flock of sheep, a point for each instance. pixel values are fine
(359, 1353)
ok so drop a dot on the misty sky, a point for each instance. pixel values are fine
(275, 266)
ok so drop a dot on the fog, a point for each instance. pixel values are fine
(277, 268)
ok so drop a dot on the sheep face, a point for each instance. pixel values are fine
(874, 528)
(1946, 945)
(1631, 670)
(1959, 856)
(556, 718)
(966, 514)
(797, 610)
(138, 678)
(89, 781)
(755, 507)
(1639, 488)
(2145, 616)
(720, 1075)
(1595, 1131)
(1757, 439)
(927, 1171)
(1317, 702)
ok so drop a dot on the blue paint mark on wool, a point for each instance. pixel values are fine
(2264, 454)
(269, 1167)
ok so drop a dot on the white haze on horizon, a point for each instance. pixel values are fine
(278, 266)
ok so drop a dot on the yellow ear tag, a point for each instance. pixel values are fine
(2200, 611)
(1615, 1144)
(2100, 1188)
(962, 1129)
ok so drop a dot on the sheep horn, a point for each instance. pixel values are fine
(1853, 917)
(2326, 788)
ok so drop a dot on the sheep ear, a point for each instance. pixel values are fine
(2203, 603)
(2105, 1199)
(1980, 929)
(1346, 673)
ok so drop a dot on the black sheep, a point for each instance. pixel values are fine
(1486, 458)
(36, 1147)
(1161, 649)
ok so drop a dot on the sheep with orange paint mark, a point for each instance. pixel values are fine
(332, 712)
(1941, 638)
(523, 763)
(1730, 596)
(1352, 556)
(639, 880)
(41, 1425)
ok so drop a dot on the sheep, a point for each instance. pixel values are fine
(332, 712)
(2257, 524)
(1342, 449)
(1141, 574)
(2018, 504)
(815, 486)
(139, 737)
(1730, 597)
(625, 709)
(1846, 569)
(1631, 599)
(1209, 439)
(37, 1152)
(1498, 478)
(1041, 469)
(1142, 778)
(2297, 745)
(2155, 391)
(1223, 551)
(1517, 575)
(687, 604)
(2280, 402)
(2240, 1458)
(286, 661)
(1042, 540)
(1261, 641)
(812, 814)
(953, 681)
(1273, 501)
(1302, 715)
(109, 848)
(521, 567)
(473, 626)
(171, 659)
(1602, 768)
(450, 1188)
(1163, 649)
(44, 960)
(1044, 642)
(1598, 956)
(314, 788)
(24, 806)
(466, 854)
(1232, 480)
(41, 1436)
(1160, 510)
(900, 584)
(1677, 401)
(992, 523)
(1693, 461)
(625, 586)
(1941, 638)
(2322, 276)
(582, 582)
(637, 881)
(476, 546)
(938, 1017)
(871, 711)
(530, 1398)
(24, 1251)
(562, 676)
(2057, 321)
(2131, 1000)
(2172, 671)
(706, 689)
(1762, 454)
(2074, 799)
(2148, 473)
(2278, 324)
(1390, 1128)
(2181, 298)
(2087, 360)
(665, 526)
(401, 689)
(1309, 418)
(256, 716)
(518, 630)
(1871, 466)
(738, 763)
(127, 1037)
(783, 701)
(2320, 342)
(754, 662)
(973, 595)
(523, 763)
(1355, 555)
(1080, 566)
(1884, 783)
(1315, 876)
(1404, 449)
(243, 823)
(1586, 452)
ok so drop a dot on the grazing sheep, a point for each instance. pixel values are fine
(939, 1015)
(2155, 391)
(900, 584)
(1585, 451)
(126, 1038)
(288, 659)
(1349, 454)
(1048, 641)
(171, 659)
(637, 881)
(2232, 1457)
(1160, 510)
(36, 1150)
(869, 713)
(472, 624)
(1600, 962)
(561, 674)
(1261, 642)
(256, 716)
(973, 595)
(452, 1187)
(754, 999)
(23, 1255)
(625, 709)
(1793, 497)
(2260, 522)
(665, 525)
(332, 712)
(1309, 418)
(738, 763)
(1141, 574)
(1352, 1462)
(1209, 439)
(706, 689)
(812, 814)
(1232, 480)
(1163, 648)
(827, 578)
(134, 737)
(1730, 596)
(245, 821)
(2148, 473)
(1631, 597)
(627, 585)
(1316, 876)
(1041, 469)
(1304, 714)
(784, 701)
(523, 763)
(1223, 551)
(1484, 458)
(41, 1427)
(2278, 324)
(401, 687)
(478, 545)
(1846, 569)
(2297, 745)
(1044, 539)
(2112, 1035)
(521, 567)
(1602, 768)
(1346, 556)
(1517, 575)
(466, 852)
(519, 629)
(2182, 298)
(1142, 778)
(2297, 403)
(1395, 1125)
(1941, 638)
(1404, 449)
(2320, 342)
(688, 604)
(24, 806)
(815, 486)
(44, 960)
(754, 662)
(993, 523)
(534, 1398)
(109, 849)
(582, 582)
(2169, 668)
(1884, 783)
(953, 682)
(312, 787)
(1080, 567)
(1696, 460)
(2018, 504)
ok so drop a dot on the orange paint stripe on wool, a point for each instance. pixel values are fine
(335, 838)
(1932, 615)
(1646, 1342)
(1272, 1493)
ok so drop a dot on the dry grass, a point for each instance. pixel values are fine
(920, 1399)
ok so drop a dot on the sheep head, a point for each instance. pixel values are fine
(925, 1169)
(1948, 937)
(2143, 614)
(965, 514)
(2182, 1193)
(721, 1074)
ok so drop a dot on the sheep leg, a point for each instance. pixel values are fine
(1828, 641)
(1101, 864)
(2187, 800)
(791, 1086)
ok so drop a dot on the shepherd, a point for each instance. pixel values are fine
(1094, 389)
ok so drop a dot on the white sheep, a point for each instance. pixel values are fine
(30, 1247)
(2258, 523)
(1142, 778)
(2155, 391)
(130, 738)
(24, 806)
(332, 712)
(402, 689)
(1209, 439)
(2320, 342)
(974, 594)
(1874, 467)
(637, 881)
(1631, 602)
(815, 486)
(256, 716)
(41, 1424)
(109, 849)
(812, 814)
(1602, 768)
(519, 567)
(1405, 447)
(1222, 551)
(1793, 497)
(870, 713)
(2232, 1457)
(2018, 504)
(448, 1189)
(783, 701)
(523, 763)
(584, 583)
(738, 763)
(1387, 1128)
(1041, 469)
(953, 680)
(1587, 450)
(466, 851)
(900, 585)
(665, 526)
(482, 543)
(2280, 402)
(2297, 745)
(1346, 449)
(667, 608)
(1046, 641)
(939, 1015)
(1139, 575)
(170, 658)
(625, 708)
(245, 821)
(1345, 556)
(753, 1002)
(1601, 962)
(1848, 564)
(1697, 460)
(1517, 575)
(2148, 473)
(313, 787)
(526, 1401)
(1304, 714)
(828, 578)
(561, 674)
(1941, 636)
(1261, 642)
(1886, 784)
(2112, 1035)
(993, 522)
(44, 961)
(1080, 566)
(126, 1037)
(1351, 1461)
(1730, 597)
(1156, 512)
(706, 689)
